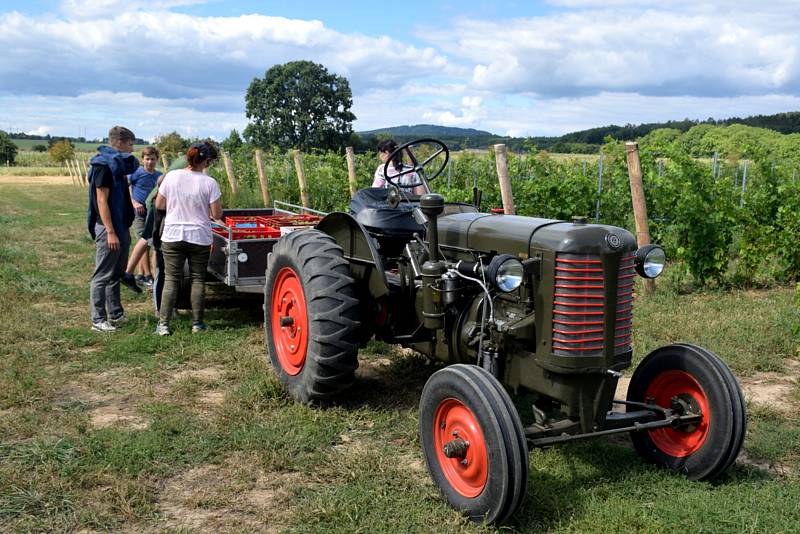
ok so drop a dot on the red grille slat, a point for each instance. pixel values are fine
(579, 270)
(592, 262)
(582, 340)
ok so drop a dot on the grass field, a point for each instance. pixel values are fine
(131, 432)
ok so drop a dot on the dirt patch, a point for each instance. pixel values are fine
(36, 180)
(372, 367)
(775, 469)
(208, 374)
(412, 464)
(199, 385)
(231, 497)
(116, 397)
(111, 398)
(773, 390)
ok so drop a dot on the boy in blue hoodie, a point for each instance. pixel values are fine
(110, 215)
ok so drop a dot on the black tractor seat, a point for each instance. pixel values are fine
(370, 207)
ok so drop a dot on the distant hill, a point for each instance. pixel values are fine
(427, 130)
(583, 141)
(454, 138)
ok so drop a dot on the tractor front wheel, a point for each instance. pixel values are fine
(311, 316)
(473, 442)
(694, 380)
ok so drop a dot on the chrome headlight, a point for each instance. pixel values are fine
(650, 260)
(506, 272)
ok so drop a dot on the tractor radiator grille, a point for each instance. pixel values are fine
(579, 306)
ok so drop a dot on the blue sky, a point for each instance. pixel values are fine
(548, 67)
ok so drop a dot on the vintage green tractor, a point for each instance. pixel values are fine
(539, 308)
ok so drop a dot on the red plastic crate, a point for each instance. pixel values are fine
(236, 220)
(261, 232)
(278, 221)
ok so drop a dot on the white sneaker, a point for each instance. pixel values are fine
(103, 326)
(162, 329)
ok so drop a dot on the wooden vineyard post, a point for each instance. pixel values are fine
(301, 177)
(502, 175)
(262, 178)
(71, 174)
(639, 204)
(226, 159)
(351, 170)
(84, 176)
(164, 162)
(73, 164)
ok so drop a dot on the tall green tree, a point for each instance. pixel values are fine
(8, 150)
(233, 142)
(299, 105)
(62, 150)
(171, 144)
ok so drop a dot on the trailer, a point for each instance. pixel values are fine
(242, 244)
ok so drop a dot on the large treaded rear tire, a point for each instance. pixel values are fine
(311, 316)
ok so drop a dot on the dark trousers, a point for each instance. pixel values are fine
(158, 280)
(104, 298)
(175, 256)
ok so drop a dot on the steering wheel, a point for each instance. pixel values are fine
(416, 166)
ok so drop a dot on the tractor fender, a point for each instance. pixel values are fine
(359, 250)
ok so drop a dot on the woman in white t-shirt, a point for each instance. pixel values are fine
(191, 199)
(385, 149)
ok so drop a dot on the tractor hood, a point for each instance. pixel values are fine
(517, 235)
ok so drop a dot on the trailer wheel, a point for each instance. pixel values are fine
(473, 442)
(311, 316)
(699, 379)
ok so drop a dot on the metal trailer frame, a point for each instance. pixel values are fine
(242, 263)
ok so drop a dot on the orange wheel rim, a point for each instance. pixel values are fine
(289, 321)
(676, 442)
(468, 474)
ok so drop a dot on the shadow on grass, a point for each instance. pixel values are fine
(393, 383)
(575, 477)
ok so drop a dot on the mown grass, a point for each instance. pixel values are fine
(353, 466)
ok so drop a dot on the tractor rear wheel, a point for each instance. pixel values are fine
(311, 316)
(473, 442)
(699, 380)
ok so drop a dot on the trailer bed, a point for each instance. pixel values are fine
(241, 246)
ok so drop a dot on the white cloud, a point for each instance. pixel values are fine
(40, 130)
(649, 51)
(91, 114)
(161, 53)
(585, 64)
